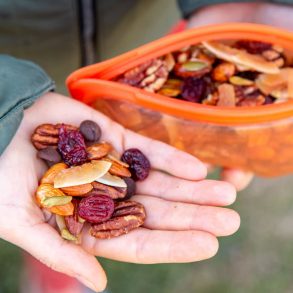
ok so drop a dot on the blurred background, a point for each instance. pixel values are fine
(256, 259)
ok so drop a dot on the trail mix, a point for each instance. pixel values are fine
(87, 182)
(243, 73)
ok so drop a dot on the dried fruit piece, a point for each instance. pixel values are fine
(193, 89)
(72, 147)
(77, 190)
(99, 150)
(50, 155)
(128, 215)
(131, 187)
(51, 173)
(253, 47)
(223, 71)
(90, 130)
(138, 163)
(83, 174)
(96, 208)
(226, 95)
(46, 191)
(111, 180)
(241, 57)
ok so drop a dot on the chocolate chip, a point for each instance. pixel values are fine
(90, 130)
(131, 187)
(50, 155)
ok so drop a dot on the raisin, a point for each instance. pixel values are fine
(253, 47)
(96, 208)
(139, 165)
(269, 100)
(131, 187)
(72, 147)
(90, 130)
(193, 89)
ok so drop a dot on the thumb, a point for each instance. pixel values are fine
(45, 244)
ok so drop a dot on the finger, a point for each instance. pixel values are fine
(182, 216)
(205, 192)
(151, 246)
(166, 158)
(239, 178)
(44, 243)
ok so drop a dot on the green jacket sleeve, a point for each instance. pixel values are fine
(187, 7)
(21, 83)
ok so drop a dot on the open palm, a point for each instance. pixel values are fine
(182, 222)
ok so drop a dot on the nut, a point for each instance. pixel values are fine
(226, 95)
(51, 173)
(77, 190)
(118, 169)
(223, 71)
(127, 216)
(98, 150)
(47, 135)
(111, 191)
(46, 191)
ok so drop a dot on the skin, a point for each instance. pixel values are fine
(191, 209)
(263, 13)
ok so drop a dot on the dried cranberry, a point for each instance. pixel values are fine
(253, 47)
(139, 165)
(72, 147)
(96, 208)
(193, 89)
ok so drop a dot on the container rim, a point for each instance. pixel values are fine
(93, 82)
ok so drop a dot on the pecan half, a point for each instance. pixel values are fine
(113, 192)
(48, 135)
(128, 215)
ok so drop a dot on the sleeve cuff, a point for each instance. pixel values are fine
(21, 83)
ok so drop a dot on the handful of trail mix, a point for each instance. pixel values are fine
(239, 73)
(87, 182)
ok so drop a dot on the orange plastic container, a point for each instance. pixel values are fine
(259, 139)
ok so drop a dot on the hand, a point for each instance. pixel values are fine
(182, 222)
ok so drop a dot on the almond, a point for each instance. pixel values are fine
(78, 190)
(98, 150)
(118, 169)
(46, 191)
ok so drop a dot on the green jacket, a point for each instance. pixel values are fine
(62, 35)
